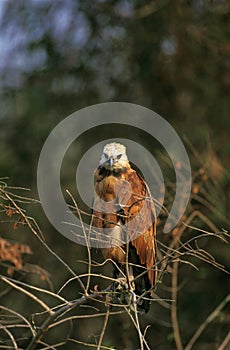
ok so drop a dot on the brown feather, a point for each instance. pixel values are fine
(145, 243)
(143, 230)
(123, 203)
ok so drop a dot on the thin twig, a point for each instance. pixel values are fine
(41, 290)
(77, 317)
(19, 316)
(209, 319)
(141, 337)
(225, 342)
(10, 336)
(89, 345)
(39, 236)
(32, 296)
(62, 310)
(175, 325)
(86, 240)
(136, 326)
(103, 329)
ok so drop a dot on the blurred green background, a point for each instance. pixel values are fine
(57, 57)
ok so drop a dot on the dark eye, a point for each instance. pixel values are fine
(119, 156)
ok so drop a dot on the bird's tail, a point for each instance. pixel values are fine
(142, 289)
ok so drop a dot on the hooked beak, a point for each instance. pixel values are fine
(110, 161)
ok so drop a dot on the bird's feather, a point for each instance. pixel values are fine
(123, 201)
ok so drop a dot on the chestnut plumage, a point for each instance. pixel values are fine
(125, 206)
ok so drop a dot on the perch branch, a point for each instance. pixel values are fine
(62, 310)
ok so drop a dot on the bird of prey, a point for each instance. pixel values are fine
(124, 212)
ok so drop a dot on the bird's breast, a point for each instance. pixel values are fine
(116, 251)
(105, 188)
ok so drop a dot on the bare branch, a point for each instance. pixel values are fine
(208, 320)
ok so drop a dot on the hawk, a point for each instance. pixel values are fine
(124, 212)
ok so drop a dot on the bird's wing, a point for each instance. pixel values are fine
(141, 223)
(133, 197)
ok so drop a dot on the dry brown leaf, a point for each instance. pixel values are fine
(12, 252)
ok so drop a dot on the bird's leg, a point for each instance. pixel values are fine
(129, 271)
(130, 278)
(121, 286)
(115, 271)
(119, 278)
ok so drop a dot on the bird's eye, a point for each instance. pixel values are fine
(119, 156)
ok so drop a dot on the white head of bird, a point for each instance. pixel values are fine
(114, 156)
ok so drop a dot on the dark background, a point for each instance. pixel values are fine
(57, 57)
